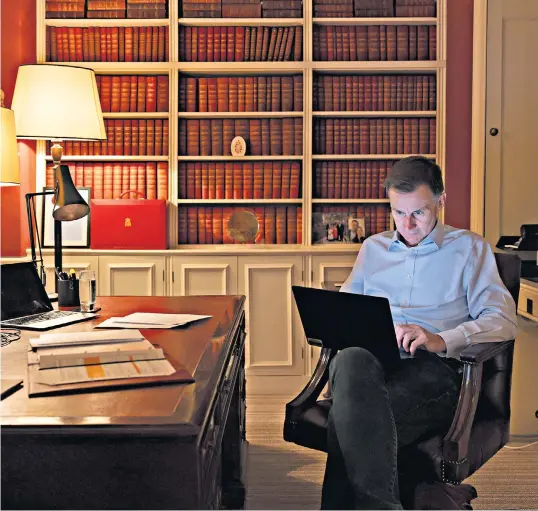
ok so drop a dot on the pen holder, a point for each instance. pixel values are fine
(68, 293)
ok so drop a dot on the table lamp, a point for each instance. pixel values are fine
(9, 158)
(56, 103)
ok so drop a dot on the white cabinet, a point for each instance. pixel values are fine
(135, 275)
(203, 275)
(331, 268)
(275, 337)
(77, 263)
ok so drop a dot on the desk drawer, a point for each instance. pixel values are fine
(528, 300)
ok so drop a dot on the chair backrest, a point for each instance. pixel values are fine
(509, 266)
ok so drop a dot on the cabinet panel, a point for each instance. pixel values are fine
(331, 268)
(131, 276)
(204, 275)
(275, 340)
(78, 263)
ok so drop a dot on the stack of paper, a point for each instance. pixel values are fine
(93, 356)
(150, 320)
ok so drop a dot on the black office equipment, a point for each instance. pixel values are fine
(25, 303)
(338, 320)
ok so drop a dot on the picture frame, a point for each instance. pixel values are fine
(337, 228)
(75, 234)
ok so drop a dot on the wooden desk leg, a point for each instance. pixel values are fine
(233, 444)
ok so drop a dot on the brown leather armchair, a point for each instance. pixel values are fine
(479, 429)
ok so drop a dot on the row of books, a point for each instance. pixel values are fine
(264, 137)
(376, 217)
(210, 225)
(374, 42)
(235, 180)
(238, 44)
(133, 93)
(358, 93)
(107, 44)
(144, 9)
(350, 179)
(373, 8)
(111, 179)
(127, 137)
(241, 94)
(242, 8)
(375, 136)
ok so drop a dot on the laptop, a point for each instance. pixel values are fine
(24, 303)
(337, 320)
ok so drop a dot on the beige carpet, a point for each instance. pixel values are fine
(285, 476)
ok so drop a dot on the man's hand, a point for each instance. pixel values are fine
(413, 336)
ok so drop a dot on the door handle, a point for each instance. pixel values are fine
(493, 132)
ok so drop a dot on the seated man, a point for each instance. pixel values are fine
(445, 293)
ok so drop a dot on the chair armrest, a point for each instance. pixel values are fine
(310, 393)
(456, 441)
(478, 353)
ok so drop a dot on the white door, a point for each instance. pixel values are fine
(511, 116)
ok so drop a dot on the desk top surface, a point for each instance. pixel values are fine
(201, 347)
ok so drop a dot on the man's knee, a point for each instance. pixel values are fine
(355, 364)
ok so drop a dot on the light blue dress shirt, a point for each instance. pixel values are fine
(448, 284)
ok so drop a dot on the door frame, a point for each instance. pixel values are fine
(478, 123)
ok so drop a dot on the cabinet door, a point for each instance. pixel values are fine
(331, 268)
(77, 263)
(275, 338)
(131, 276)
(204, 275)
(328, 268)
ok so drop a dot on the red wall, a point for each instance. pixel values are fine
(18, 42)
(18, 46)
(458, 112)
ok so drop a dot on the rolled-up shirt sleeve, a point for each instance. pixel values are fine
(492, 311)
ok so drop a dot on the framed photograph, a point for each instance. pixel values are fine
(330, 228)
(357, 229)
(75, 234)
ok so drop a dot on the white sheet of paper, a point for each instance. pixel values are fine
(114, 323)
(150, 318)
(100, 372)
(103, 357)
(78, 338)
(94, 348)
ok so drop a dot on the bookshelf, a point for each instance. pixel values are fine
(263, 272)
(351, 37)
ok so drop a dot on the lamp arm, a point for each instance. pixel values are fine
(30, 204)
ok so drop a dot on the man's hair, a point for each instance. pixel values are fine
(408, 174)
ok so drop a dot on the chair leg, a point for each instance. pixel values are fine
(437, 495)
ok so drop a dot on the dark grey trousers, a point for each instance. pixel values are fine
(373, 415)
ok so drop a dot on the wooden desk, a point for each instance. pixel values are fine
(170, 447)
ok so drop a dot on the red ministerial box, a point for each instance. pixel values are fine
(128, 224)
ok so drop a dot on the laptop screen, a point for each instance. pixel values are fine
(23, 293)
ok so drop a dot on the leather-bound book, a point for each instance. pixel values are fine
(432, 31)
(216, 137)
(248, 180)
(270, 224)
(402, 42)
(266, 137)
(275, 134)
(205, 137)
(127, 142)
(255, 128)
(237, 180)
(162, 93)
(212, 95)
(141, 94)
(298, 136)
(220, 185)
(275, 180)
(142, 136)
(202, 95)
(222, 93)
(258, 182)
(201, 224)
(229, 132)
(182, 139)
(286, 180)
(151, 180)
(217, 225)
(267, 180)
(433, 136)
(288, 136)
(193, 137)
(192, 89)
(201, 180)
(281, 225)
(135, 125)
(229, 180)
(212, 173)
(239, 44)
(422, 42)
(151, 93)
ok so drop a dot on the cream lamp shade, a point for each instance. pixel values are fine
(9, 157)
(57, 102)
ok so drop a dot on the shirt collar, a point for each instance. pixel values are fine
(436, 236)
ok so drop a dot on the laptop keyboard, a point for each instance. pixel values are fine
(46, 316)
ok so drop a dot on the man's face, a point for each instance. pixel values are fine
(415, 213)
